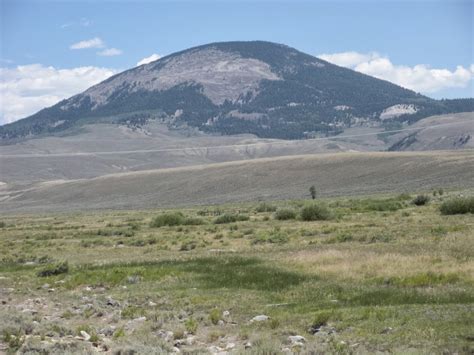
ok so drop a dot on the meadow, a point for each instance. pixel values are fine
(385, 273)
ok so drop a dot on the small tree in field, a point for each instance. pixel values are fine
(312, 191)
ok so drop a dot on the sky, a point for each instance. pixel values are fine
(51, 50)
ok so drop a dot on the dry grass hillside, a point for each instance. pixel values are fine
(259, 179)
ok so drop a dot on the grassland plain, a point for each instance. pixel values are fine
(371, 275)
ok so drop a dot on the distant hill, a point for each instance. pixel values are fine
(262, 88)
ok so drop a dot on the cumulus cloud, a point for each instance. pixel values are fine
(27, 89)
(95, 42)
(149, 59)
(420, 78)
(109, 52)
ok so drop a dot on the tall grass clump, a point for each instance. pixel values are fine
(315, 212)
(458, 205)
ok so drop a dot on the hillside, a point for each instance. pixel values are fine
(266, 89)
(259, 179)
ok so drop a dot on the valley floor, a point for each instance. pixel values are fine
(376, 275)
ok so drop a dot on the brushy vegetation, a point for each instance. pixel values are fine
(315, 212)
(458, 205)
(174, 219)
(54, 269)
(231, 218)
(265, 207)
(421, 200)
(284, 214)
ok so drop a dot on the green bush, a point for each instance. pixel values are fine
(265, 207)
(3, 224)
(315, 212)
(174, 219)
(54, 269)
(215, 316)
(421, 200)
(191, 325)
(230, 218)
(192, 221)
(458, 205)
(285, 214)
(274, 237)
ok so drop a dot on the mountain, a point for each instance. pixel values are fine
(262, 88)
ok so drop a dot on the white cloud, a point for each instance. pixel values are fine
(149, 59)
(27, 89)
(420, 78)
(109, 52)
(84, 22)
(95, 42)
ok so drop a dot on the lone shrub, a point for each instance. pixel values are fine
(285, 214)
(191, 325)
(315, 212)
(230, 218)
(167, 219)
(421, 200)
(215, 316)
(54, 269)
(458, 205)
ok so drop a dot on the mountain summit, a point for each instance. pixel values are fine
(262, 88)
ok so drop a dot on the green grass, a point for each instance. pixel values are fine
(377, 276)
(458, 205)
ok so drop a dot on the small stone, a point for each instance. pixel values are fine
(230, 346)
(112, 302)
(386, 330)
(297, 339)
(260, 318)
(166, 335)
(45, 286)
(152, 304)
(133, 279)
(176, 350)
(108, 331)
(225, 314)
(85, 335)
(220, 322)
(190, 340)
(248, 345)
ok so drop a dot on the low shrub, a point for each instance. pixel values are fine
(421, 200)
(54, 269)
(315, 212)
(191, 325)
(285, 214)
(192, 221)
(168, 219)
(274, 237)
(230, 218)
(215, 316)
(458, 205)
(265, 207)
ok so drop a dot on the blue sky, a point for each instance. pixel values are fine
(387, 39)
